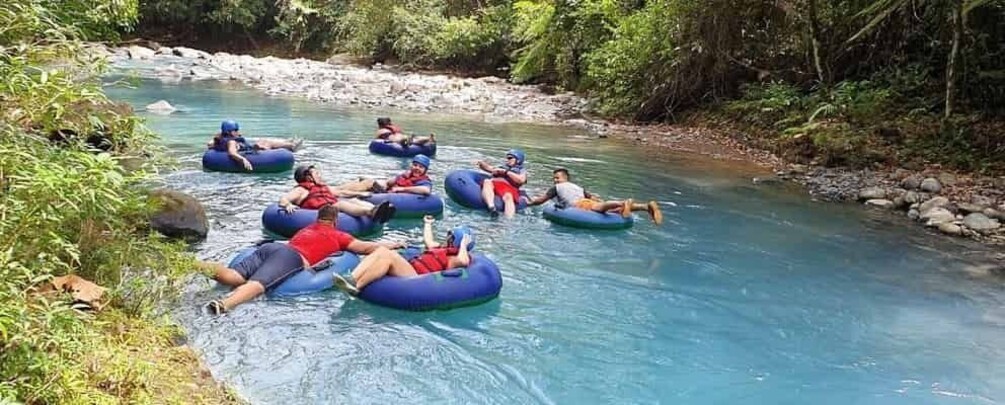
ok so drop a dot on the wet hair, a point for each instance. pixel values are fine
(383, 121)
(564, 171)
(328, 212)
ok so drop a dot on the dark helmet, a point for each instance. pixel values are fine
(422, 160)
(518, 154)
(457, 233)
(229, 125)
(300, 175)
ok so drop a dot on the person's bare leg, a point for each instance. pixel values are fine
(363, 184)
(603, 207)
(509, 206)
(244, 293)
(384, 262)
(273, 143)
(356, 208)
(222, 274)
(489, 194)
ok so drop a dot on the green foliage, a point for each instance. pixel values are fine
(68, 209)
(30, 20)
(554, 38)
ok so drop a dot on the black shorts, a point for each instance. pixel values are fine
(270, 264)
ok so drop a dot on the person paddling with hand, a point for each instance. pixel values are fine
(505, 182)
(568, 194)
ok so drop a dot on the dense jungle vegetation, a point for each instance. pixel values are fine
(69, 207)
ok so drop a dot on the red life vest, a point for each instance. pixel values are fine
(408, 180)
(318, 195)
(433, 260)
(394, 129)
(318, 241)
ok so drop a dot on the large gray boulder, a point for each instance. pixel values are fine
(980, 222)
(931, 185)
(179, 215)
(936, 216)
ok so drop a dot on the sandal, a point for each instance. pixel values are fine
(216, 307)
(346, 283)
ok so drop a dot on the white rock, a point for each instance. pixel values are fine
(934, 202)
(139, 52)
(950, 228)
(872, 193)
(881, 203)
(936, 216)
(161, 107)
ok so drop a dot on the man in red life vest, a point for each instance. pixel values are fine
(311, 193)
(392, 133)
(384, 261)
(230, 140)
(413, 181)
(274, 262)
(505, 182)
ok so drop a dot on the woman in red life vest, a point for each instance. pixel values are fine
(311, 193)
(230, 140)
(435, 258)
(274, 262)
(505, 182)
(392, 133)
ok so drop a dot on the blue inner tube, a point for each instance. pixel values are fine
(465, 187)
(479, 282)
(580, 218)
(381, 147)
(306, 282)
(410, 205)
(266, 161)
(279, 222)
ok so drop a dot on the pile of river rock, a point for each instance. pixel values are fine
(961, 205)
(339, 82)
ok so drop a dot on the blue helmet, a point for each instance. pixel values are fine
(457, 233)
(422, 160)
(229, 125)
(518, 154)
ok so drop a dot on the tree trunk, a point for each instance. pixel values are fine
(815, 42)
(952, 68)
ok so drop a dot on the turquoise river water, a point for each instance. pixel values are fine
(745, 294)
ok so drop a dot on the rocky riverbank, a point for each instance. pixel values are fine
(954, 203)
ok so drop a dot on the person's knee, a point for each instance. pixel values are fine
(507, 198)
(255, 285)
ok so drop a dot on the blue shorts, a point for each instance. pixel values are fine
(270, 264)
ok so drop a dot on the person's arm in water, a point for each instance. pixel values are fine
(364, 248)
(427, 232)
(212, 141)
(290, 200)
(543, 198)
(232, 151)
